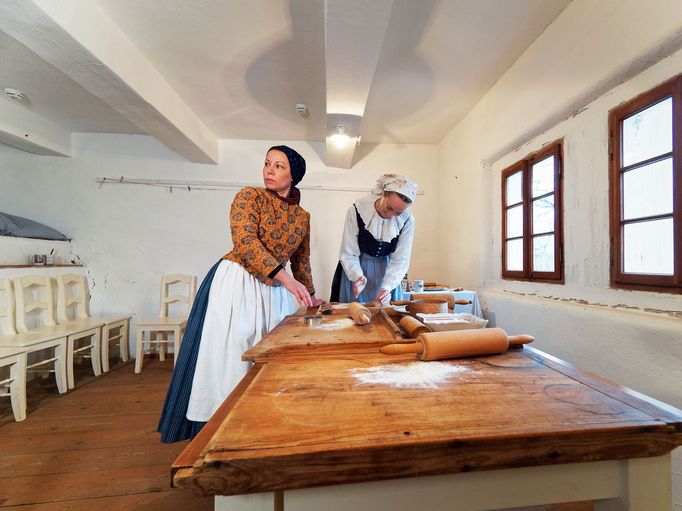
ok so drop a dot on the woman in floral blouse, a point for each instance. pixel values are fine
(244, 295)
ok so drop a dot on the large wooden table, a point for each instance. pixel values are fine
(345, 431)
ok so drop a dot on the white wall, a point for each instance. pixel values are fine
(127, 236)
(582, 66)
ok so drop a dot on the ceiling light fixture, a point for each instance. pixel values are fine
(341, 137)
(15, 94)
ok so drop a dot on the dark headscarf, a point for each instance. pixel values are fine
(296, 162)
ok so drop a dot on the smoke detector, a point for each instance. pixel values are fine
(301, 108)
(15, 94)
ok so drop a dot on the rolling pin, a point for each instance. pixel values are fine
(461, 343)
(413, 326)
(359, 313)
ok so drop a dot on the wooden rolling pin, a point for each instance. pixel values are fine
(452, 301)
(359, 313)
(413, 326)
(461, 343)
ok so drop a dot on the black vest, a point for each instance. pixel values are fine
(369, 245)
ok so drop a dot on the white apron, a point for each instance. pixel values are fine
(240, 311)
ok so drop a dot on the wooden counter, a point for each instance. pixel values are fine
(302, 423)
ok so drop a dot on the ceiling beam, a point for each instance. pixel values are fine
(30, 132)
(77, 38)
(354, 37)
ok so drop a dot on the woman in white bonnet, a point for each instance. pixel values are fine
(377, 243)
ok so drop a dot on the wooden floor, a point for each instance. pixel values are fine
(96, 447)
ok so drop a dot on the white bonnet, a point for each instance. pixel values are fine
(395, 183)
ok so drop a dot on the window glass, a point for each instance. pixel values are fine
(648, 190)
(543, 215)
(648, 247)
(514, 188)
(542, 175)
(648, 133)
(515, 222)
(543, 253)
(515, 255)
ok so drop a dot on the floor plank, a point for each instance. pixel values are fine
(93, 447)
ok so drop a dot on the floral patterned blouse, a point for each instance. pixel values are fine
(267, 231)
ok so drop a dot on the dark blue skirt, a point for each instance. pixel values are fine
(173, 424)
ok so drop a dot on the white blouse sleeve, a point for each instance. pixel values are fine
(350, 251)
(399, 261)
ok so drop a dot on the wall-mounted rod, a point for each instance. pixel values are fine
(189, 185)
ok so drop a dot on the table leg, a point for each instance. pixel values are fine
(645, 485)
(269, 501)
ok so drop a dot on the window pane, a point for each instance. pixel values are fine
(648, 133)
(543, 215)
(514, 188)
(515, 255)
(542, 174)
(515, 222)
(543, 253)
(648, 247)
(648, 190)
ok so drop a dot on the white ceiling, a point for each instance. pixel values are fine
(239, 66)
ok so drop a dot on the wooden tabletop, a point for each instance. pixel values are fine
(364, 417)
(328, 334)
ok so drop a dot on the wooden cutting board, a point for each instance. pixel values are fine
(333, 334)
(368, 417)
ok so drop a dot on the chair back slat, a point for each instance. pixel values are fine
(7, 304)
(25, 289)
(177, 281)
(72, 292)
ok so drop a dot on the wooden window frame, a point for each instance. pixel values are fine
(524, 166)
(633, 281)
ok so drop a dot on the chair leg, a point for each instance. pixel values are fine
(95, 356)
(106, 334)
(162, 345)
(60, 366)
(177, 339)
(123, 346)
(17, 388)
(70, 341)
(139, 350)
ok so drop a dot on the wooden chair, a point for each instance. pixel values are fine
(16, 347)
(72, 293)
(75, 330)
(159, 328)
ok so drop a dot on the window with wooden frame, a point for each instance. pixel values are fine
(532, 234)
(645, 138)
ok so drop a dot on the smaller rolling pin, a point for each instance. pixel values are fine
(359, 313)
(413, 327)
(461, 343)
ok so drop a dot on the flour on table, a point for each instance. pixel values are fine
(337, 324)
(414, 375)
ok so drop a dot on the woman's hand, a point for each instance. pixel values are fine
(383, 296)
(295, 288)
(359, 285)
